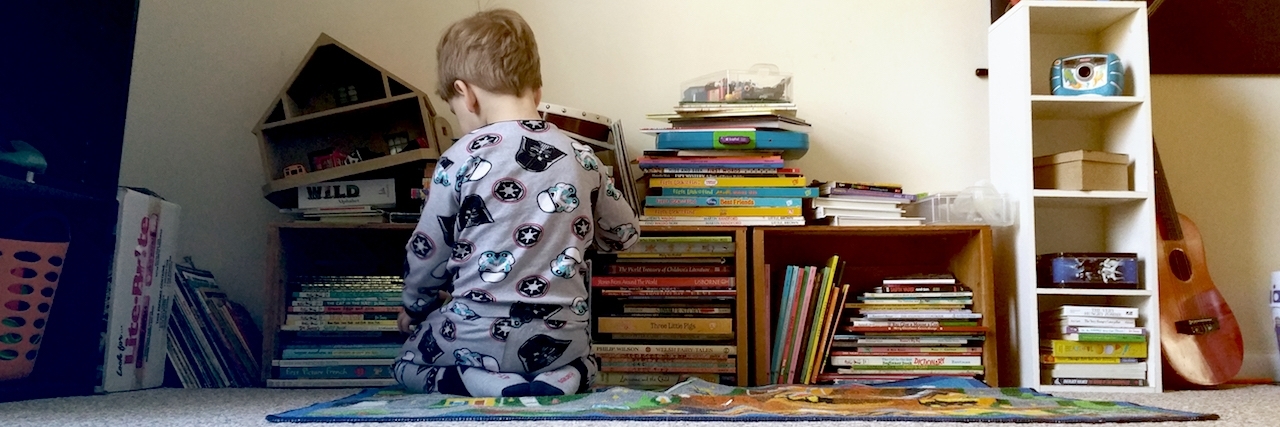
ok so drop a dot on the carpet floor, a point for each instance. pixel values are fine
(1257, 405)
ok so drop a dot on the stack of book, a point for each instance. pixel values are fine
(808, 314)
(212, 341)
(665, 311)
(859, 204)
(908, 327)
(1093, 345)
(339, 331)
(722, 164)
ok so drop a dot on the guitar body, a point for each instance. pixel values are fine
(1192, 354)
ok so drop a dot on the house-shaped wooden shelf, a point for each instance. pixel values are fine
(340, 116)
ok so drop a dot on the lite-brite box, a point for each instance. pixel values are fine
(140, 292)
(792, 144)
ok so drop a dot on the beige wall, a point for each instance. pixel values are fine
(1219, 141)
(889, 87)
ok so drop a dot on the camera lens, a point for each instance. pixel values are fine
(1084, 71)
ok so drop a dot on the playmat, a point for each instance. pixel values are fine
(698, 400)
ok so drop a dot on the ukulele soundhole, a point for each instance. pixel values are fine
(1180, 265)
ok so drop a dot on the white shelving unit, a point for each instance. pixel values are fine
(1028, 121)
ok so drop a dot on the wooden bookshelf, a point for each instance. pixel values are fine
(741, 305)
(313, 248)
(871, 253)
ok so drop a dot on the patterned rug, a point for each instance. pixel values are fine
(697, 400)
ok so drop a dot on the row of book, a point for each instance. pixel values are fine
(212, 340)
(664, 311)
(907, 327)
(859, 204)
(1092, 345)
(339, 331)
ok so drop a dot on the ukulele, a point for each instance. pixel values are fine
(1198, 332)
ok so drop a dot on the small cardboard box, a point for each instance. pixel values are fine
(1082, 170)
(379, 193)
(140, 293)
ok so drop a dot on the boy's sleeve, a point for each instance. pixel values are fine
(617, 227)
(430, 247)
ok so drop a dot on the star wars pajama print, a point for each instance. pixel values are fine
(512, 208)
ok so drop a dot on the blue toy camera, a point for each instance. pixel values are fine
(1088, 74)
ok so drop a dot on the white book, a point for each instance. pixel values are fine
(1091, 321)
(900, 315)
(1093, 311)
(823, 212)
(1102, 330)
(906, 360)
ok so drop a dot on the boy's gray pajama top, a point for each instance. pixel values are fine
(512, 209)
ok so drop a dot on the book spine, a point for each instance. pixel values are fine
(661, 282)
(906, 361)
(675, 168)
(1100, 382)
(347, 303)
(1090, 311)
(696, 338)
(334, 318)
(697, 350)
(339, 353)
(344, 309)
(665, 325)
(669, 270)
(680, 247)
(913, 288)
(721, 221)
(347, 294)
(650, 379)
(798, 181)
(909, 351)
(332, 383)
(1051, 359)
(1061, 348)
(669, 292)
(878, 295)
(871, 193)
(716, 211)
(659, 369)
(662, 201)
(339, 327)
(802, 192)
(1103, 337)
(1096, 330)
(334, 372)
(911, 340)
(1093, 321)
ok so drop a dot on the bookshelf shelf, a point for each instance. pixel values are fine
(741, 307)
(1095, 292)
(1028, 121)
(871, 253)
(1049, 107)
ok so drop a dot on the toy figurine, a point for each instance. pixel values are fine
(25, 157)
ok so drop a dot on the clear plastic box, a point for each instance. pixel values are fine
(761, 83)
(950, 208)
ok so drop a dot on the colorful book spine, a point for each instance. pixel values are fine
(665, 325)
(736, 211)
(669, 270)
(697, 350)
(909, 351)
(300, 318)
(347, 294)
(320, 302)
(659, 311)
(672, 201)
(1100, 382)
(797, 181)
(1064, 348)
(661, 282)
(669, 292)
(340, 353)
(680, 168)
(334, 372)
(800, 192)
(344, 309)
(1096, 330)
(680, 247)
(837, 192)
(915, 361)
(1051, 359)
(1100, 337)
(722, 221)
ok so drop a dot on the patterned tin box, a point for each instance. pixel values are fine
(1094, 270)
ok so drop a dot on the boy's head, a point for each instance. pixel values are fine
(494, 51)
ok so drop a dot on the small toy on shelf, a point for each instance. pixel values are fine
(1087, 74)
(295, 169)
(398, 142)
(25, 158)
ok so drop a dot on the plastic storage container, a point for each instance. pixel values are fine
(951, 208)
(761, 83)
(1090, 270)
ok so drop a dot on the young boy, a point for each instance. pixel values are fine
(513, 207)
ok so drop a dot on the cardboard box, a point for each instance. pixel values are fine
(140, 293)
(1082, 170)
(380, 193)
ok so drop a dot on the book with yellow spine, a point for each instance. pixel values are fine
(1064, 348)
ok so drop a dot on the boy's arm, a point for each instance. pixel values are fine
(429, 249)
(617, 227)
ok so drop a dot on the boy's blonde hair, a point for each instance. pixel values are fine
(494, 50)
